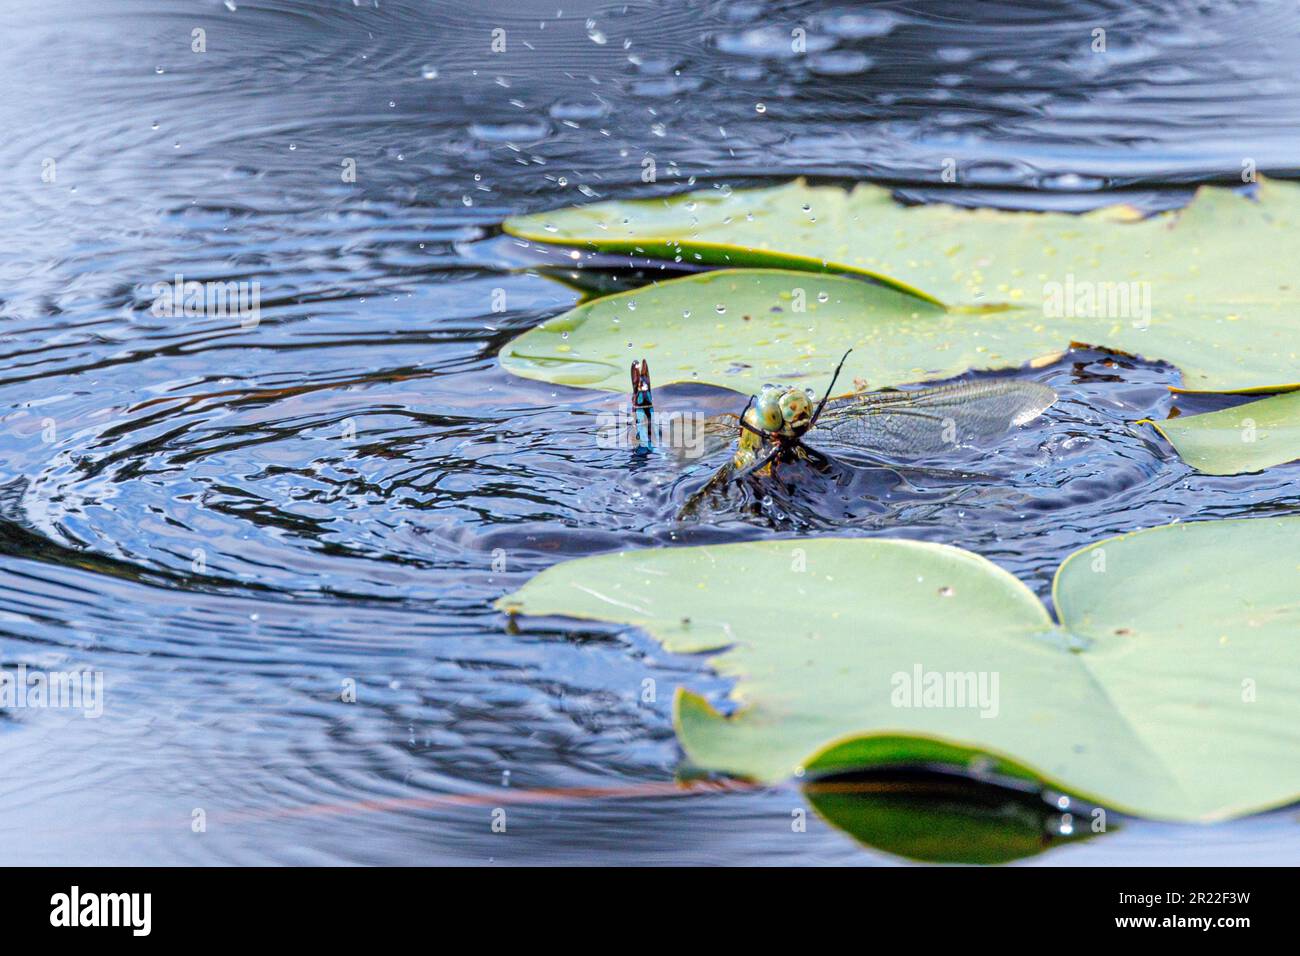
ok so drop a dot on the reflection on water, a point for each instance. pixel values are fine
(240, 524)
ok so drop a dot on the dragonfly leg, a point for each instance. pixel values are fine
(746, 426)
(758, 465)
(829, 388)
(814, 455)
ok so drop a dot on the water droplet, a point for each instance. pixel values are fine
(429, 71)
(769, 42)
(760, 107)
(839, 63)
(522, 131)
(721, 308)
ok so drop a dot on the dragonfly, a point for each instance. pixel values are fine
(775, 425)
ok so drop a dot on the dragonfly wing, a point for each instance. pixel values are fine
(933, 420)
(687, 437)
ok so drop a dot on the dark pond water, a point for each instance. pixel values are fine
(230, 524)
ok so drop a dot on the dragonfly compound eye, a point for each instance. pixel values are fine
(796, 408)
(768, 411)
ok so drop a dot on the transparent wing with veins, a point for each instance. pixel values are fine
(932, 420)
(690, 438)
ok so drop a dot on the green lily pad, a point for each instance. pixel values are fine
(742, 328)
(1233, 441)
(1170, 689)
(1203, 288)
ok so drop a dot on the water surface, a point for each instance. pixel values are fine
(236, 525)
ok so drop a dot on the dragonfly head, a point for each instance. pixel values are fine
(779, 416)
(783, 412)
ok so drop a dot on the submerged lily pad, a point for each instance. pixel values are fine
(1169, 689)
(1204, 288)
(939, 821)
(1233, 441)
